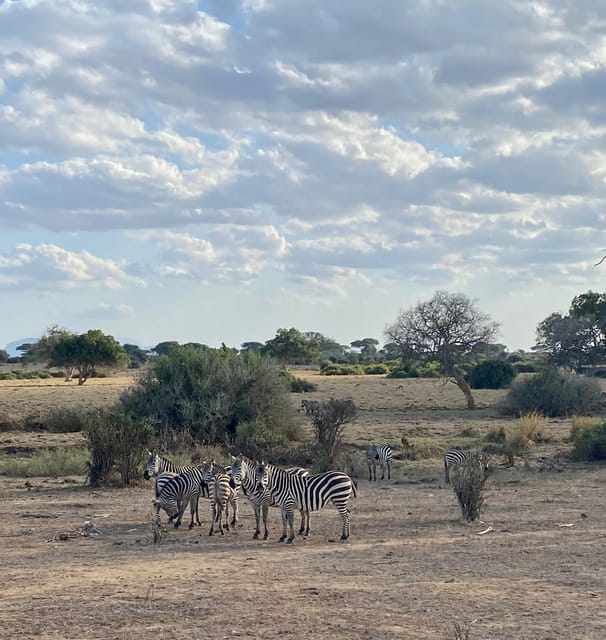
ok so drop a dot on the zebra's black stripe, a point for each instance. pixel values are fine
(222, 494)
(378, 454)
(454, 457)
(309, 493)
(156, 464)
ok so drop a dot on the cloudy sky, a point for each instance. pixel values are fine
(214, 170)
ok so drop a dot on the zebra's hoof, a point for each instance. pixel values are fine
(290, 540)
(343, 538)
(282, 538)
(256, 535)
(265, 536)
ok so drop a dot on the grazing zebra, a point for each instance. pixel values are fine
(162, 479)
(309, 493)
(378, 454)
(454, 457)
(223, 491)
(182, 489)
(243, 471)
(156, 465)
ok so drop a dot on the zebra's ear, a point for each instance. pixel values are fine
(233, 458)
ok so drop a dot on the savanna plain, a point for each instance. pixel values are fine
(532, 568)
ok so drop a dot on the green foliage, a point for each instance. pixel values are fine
(116, 440)
(3, 356)
(20, 374)
(590, 442)
(164, 348)
(553, 393)
(492, 374)
(528, 366)
(376, 369)
(86, 352)
(136, 355)
(330, 369)
(468, 480)
(290, 345)
(430, 369)
(209, 393)
(66, 461)
(297, 385)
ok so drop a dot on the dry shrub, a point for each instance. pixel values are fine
(582, 423)
(531, 428)
(468, 480)
(496, 435)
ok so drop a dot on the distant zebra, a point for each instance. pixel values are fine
(454, 457)
(243, 471)
(378, 454)
(156, 464)
(181, 490)
(223, 490)
(309, 493)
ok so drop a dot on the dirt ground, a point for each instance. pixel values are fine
(532, 569)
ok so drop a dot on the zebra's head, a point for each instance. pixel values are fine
(152, 466)
(237, 471)
(261, 478)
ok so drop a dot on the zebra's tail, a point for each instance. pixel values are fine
(354, 487)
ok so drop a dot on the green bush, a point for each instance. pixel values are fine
(492, 374)
(376, 369)
(297, 385)
(590, 442)
(116, 440)
(342, 370)
(209, 392)
(527, 367)
(405, 372)
(7, 375)
(53, 464)
(553, 393)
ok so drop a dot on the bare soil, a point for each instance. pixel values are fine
(532, 569)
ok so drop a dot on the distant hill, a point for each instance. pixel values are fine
(11, 347)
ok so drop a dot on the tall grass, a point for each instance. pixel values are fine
(531, 427)
(582, 423)
(54, 464)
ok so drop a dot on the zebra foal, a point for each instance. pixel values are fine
(309, 493)
(378, 454)
(454, 457)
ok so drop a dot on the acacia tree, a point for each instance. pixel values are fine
(41, 351)
(367, 346)
(448, 329)
(86, 352)
(290, 345)
(577, 339)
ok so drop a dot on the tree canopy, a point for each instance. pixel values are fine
(290, 345)
(449, 329)
(86, 352)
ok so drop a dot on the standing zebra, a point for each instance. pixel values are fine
(182, 489)
(454, 457)
(223, 490)
(309, 493)
(243, 471)
(378, 454)
(156, 465)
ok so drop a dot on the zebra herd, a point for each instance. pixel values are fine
(264, 484)
(267, 485)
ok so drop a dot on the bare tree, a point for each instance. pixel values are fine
(449, 329)
(329, 420)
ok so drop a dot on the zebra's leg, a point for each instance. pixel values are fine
(369, 472)
(234, 506)
(307, 519)
(284, 518)
(388, 470)
(382, 471)
(265, 507)
(212, 521)
(446, 474)
(291, 522)
(257, 532)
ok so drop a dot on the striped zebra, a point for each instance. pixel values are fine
(223, 490)
(156, 465)
(243, 471)
(454, 457)
(181, 490)
(378, 454)
(309, 493)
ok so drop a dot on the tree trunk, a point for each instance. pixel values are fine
(69, 372)
(465, 388)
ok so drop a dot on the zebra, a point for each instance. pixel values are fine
(243, 472)
(378, 454)
(182, 489)
(162, 479)
(223, 491)
(309, 493)
(454, 457)
(156, 464)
